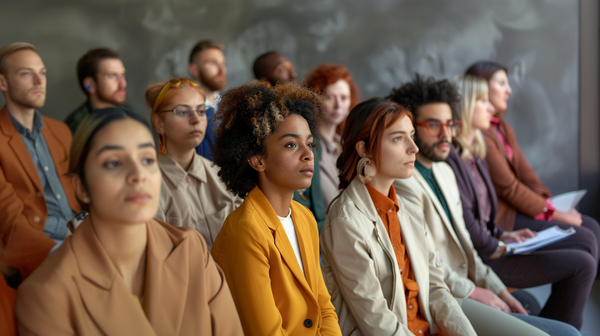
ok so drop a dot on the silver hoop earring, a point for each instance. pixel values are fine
(364, 171)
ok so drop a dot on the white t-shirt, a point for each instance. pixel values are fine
(290, 231)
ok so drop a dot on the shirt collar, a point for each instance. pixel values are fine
(425, 172)
(175, 174)
(38, 123)
(384, 203)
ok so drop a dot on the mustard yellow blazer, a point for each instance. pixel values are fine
(271, 294)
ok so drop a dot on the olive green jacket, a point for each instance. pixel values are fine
(78, 116)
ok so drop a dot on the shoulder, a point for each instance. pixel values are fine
(55, 124)
(242, 223)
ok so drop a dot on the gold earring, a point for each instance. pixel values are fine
(365, 171)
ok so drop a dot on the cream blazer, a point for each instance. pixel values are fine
(361, 271)
(78, 291)
(463, 268)
(195, 198)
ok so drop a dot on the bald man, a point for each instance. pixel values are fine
(274, 67)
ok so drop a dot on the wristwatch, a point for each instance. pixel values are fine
(500, 250)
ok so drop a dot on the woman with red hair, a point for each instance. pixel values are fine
(336, 84)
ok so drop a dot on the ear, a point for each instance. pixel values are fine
(361, 149)
(3, 83)
(258, 163)
(89, 85)
(194, 71)
(158, 124)
(80, 190)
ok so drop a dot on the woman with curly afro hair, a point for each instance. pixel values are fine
(268, 248)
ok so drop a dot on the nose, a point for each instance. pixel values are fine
(508, 89)
(337, 102)
(136, 173)
(308, 154)
(445, 132)
(412, 148)
(293, 74)
(122, 82)
(223, 69)
(37, 79)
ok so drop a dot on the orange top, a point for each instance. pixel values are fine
(8, 297)
(387, 208)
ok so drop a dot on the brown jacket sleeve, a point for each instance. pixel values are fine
(509, 187)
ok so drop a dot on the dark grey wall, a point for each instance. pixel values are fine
(383, 42)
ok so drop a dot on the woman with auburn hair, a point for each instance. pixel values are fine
(123, 272)
(192, 193)
(268, 247)
(569, 265)
(523, 200)
(378, 264)
(341, 94)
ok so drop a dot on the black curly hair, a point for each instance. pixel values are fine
(423, 91)
(248, 114)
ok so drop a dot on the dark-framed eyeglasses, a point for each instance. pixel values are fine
(436, 127)
(184, 112)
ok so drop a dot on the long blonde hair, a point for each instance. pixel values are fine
(471, 89)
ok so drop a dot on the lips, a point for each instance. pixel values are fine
(443, 146)
(308, 171)
(409, 163)
(138, 197)
(196, 132)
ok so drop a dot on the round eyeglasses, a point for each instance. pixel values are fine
(184, 112)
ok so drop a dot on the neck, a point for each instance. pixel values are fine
(424, 161)
(210, 95)
(125, 244)
(280, 198)
(327, 131)
(24, 115)
(382, 184)
(183, 157)
(99, 104)
(471, 137)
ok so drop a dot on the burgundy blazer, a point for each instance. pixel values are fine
(517, 185)
(22, 204)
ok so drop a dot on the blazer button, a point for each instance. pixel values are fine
(308, 323)
(36, 219)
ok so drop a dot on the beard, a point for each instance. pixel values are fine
(26, 98)
(429, 151)
(213, 83)
(111, 98)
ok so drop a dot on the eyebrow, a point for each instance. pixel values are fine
(28, 68)
(116, 147)
(436, 119)
(295, 136)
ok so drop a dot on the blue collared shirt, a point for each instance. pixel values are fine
(59, 210)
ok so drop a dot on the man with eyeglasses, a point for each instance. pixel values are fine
(101, 76)
(480, 292)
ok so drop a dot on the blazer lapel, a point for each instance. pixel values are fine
(167, 268)
(282, 242)
(20, 150)
(436, 203)
(103, 292)
(59, 153)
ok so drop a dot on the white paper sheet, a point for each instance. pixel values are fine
(543, 238)
(569, 200)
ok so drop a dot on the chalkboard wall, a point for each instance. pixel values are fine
(382, 42)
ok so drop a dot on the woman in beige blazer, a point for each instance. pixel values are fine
(121, 272)
(372, 256)
(192, 193)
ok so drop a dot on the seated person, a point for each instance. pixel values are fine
(523, 200)
(483, 296)
(268, 247)
(36, 195)
(378, 263)
(192, 193)
(273, 67)
(122, 272)
(101, 76)
(341, 94)
(208, 68)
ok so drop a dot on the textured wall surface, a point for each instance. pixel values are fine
(383, 42)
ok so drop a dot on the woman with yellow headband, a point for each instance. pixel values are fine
(192, 193)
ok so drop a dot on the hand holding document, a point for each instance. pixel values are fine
(543, 238)
(568, 201)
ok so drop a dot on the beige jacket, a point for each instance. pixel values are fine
(361, 271)
(78, 291)
(195, 198)
(463, 268)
